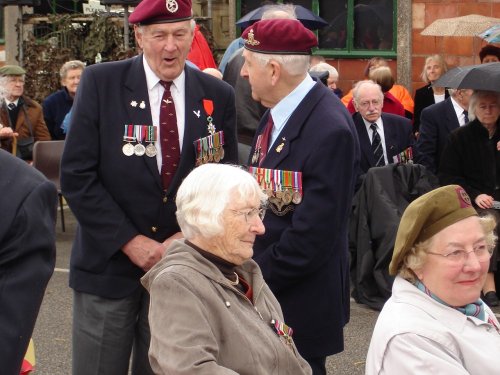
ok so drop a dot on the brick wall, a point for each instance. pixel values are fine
(457, 50)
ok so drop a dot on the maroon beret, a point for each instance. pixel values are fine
(161, 11)
(279, 36)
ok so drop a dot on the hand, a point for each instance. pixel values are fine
(171, 239)
(6, 132)
(498, 146)
(484, 201)
(143, 251)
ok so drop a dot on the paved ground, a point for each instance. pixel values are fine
(53, 329)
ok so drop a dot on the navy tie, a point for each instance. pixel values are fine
(378, 153)
(466, 116)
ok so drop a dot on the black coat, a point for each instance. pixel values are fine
(377, 209)
(424, 97)
(27, 254)
(471, 160)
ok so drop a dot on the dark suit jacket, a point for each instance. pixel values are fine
(27, 254)
(436, 123)
(304, 253)
(424, 97)
(397, 133)
(116, 197)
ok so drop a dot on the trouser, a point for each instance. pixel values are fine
(318, 365)
(106, 332)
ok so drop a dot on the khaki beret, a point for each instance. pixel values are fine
(12, 70)
(428, 215)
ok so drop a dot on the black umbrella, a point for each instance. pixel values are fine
(477, 77)
(304, 15)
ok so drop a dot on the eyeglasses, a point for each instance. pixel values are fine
(253, 213)
(366, 104)
(483, 254)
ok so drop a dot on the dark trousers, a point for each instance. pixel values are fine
(107, 331)
(318, 365)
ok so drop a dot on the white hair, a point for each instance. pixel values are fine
(360, 84)
(476, 95)
(325, 67)
(206, 192)
(295, 65)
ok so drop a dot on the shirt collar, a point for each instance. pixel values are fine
(153, 80)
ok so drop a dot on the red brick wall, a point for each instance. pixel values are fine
(457, 50)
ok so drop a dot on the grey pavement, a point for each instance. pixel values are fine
(52, 333)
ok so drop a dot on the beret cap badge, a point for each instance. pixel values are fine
(251, 39)
(172, 6)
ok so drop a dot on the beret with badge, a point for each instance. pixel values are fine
(161, 11)
(12, 70)
(279, 36)
(428, 215)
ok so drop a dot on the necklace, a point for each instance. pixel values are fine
(237, 281)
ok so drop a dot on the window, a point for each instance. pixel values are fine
(356, 28)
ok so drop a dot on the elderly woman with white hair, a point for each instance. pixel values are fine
(435, 322)
(211, 311)
(471, 159)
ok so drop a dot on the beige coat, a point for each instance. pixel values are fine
(200, 324)
(35, 115)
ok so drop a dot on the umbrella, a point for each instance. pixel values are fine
(304, 15)
(477, 77)
(491, 35)
(470, 25)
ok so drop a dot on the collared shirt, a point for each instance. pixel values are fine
(459, 111)
(284, 109)
(380, 130)
(155, 92)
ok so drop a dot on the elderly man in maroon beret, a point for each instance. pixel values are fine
(305, 155)
(138, 127)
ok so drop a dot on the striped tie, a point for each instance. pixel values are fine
(378, 153)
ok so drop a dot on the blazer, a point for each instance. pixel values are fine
(436, 123)
(27, 254)
(34, 118)
(397, 133)
(424, 97)
(304, 253)
(55, 108)
(116, 197)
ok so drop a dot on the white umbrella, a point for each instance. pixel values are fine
(470, 25)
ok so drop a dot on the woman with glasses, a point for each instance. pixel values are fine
(211, 311)
(471, 159)
(435, 321)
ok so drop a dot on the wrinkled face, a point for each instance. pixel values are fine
(14, 87)
(242, 223)
(487, 110)
(464, 97)
(489, 59)
(258, 76)
(433, 70)
(72, 80)
(165, 46)
(369, 102)
(456, 284)
(332, 82)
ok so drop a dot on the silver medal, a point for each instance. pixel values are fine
(151, 150)
(139, 149)
(128, 149)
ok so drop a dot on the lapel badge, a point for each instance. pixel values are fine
(251, 39)
(133, 103)
(281, 145)
(197, 113)
(142, 105)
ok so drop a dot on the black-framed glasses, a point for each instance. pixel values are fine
(253, 213)
(483, 254)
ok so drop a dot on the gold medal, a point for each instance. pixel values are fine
(287, 196)
(151, 150)
(217, 155)
(296, 197)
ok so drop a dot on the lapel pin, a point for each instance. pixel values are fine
(142, 105)
(280, 147)
(197, 113)
(133, 103)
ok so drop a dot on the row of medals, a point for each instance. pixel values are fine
(287, 195)
(213, 154)
(139, 149)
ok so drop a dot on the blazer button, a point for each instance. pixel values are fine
(154, 229)
(165, 199)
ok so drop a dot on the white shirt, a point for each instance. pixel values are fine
(459, 111)
(439, 98)
(155, 92)
(380, 131)
(282, 111)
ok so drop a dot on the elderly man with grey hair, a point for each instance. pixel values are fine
(305, 154)
(211, 311)
(381, 135)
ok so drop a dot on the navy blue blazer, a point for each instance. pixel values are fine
(27, 254)
(304, 253)
(437, 122)
(397, 133)
(116, 197)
